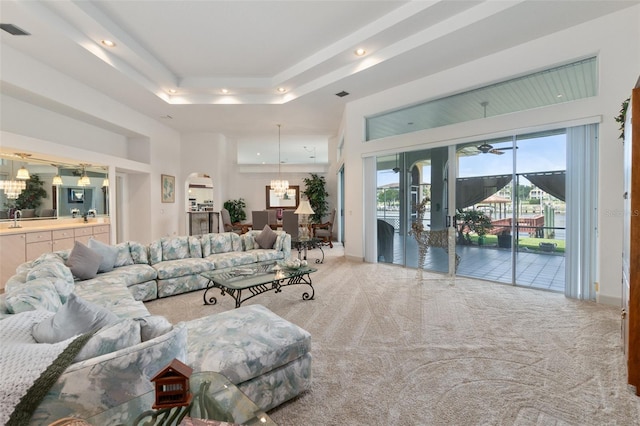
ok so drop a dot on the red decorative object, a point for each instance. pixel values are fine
(172, 385)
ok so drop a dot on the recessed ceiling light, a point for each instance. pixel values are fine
(258, 154)
(172, 91)
(225, 91)
(360, 52)
(559, 95)
(108, 43)
(281, 89)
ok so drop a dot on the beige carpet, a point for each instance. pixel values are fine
(388, 350)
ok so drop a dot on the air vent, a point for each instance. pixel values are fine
(13, 30)
(342, 94)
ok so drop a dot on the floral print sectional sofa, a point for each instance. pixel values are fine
(267, 357)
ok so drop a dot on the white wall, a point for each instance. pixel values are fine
(216, 155)
(98, 130)
(614, 38)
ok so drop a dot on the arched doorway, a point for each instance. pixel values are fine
(201, 217)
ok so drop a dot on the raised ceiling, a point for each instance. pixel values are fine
(251, 48)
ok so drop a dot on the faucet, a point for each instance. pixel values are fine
(16, 215)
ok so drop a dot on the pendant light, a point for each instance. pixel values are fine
(280, 187)
(57, 179)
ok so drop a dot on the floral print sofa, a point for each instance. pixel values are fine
(267, 357)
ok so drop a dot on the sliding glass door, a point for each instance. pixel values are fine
(404, 181)
(510, 208)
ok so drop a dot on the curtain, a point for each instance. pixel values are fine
(582, 191)
(550, 182)
(470, 191)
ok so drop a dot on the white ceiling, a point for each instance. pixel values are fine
(253, 47)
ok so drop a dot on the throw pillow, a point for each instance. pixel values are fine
(75, 317)
(266, 238)
(109, 254)
(83, 261)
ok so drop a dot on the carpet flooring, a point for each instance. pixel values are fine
(391, 350)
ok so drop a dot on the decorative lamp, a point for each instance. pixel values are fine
(105, 182)
(304, 210)
(84, 179)
(23, 174)
(280, 186)
(57, 179)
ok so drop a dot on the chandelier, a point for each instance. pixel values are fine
(280, 187)
(84, 179)
(13, 188)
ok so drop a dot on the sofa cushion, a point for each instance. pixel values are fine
(153, 326)
(124, 255)
(122, 334)
(127, 275)
(182, 267)
(139, 252)
(113, 296)
(77, 316)
(227, 260)
(267, 238)
(216, 243)
(39, 293)
(109, 254)
(55, 272)
(195, 247)
(83, 261)
(248, 241)
(175, 248)
(244, 343)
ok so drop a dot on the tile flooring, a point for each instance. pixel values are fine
(536, 270)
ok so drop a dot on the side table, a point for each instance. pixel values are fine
(309, 243)
(214, 398)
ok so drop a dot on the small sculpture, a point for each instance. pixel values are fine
(172, 385)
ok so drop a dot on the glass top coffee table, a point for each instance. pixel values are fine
(245, 282)
(214, 398)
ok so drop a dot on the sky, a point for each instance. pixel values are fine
(532, 155)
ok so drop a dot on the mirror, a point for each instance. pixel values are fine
(69, 199)
(274, 202)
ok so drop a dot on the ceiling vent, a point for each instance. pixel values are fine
(342, 94)
(13, 30)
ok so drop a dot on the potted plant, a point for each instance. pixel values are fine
(317, 195)
(472, 221)
(236, 209)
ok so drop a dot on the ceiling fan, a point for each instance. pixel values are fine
(396, 169)
(485, 148)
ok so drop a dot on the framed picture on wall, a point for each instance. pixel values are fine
(168, 189)
(75, 195)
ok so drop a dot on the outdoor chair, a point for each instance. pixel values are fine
(324, 231)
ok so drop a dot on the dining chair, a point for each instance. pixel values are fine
(290, 223)
(259, 218)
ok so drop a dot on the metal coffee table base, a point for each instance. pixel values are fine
(255, 290)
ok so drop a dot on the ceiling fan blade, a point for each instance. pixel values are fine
(496, 151)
